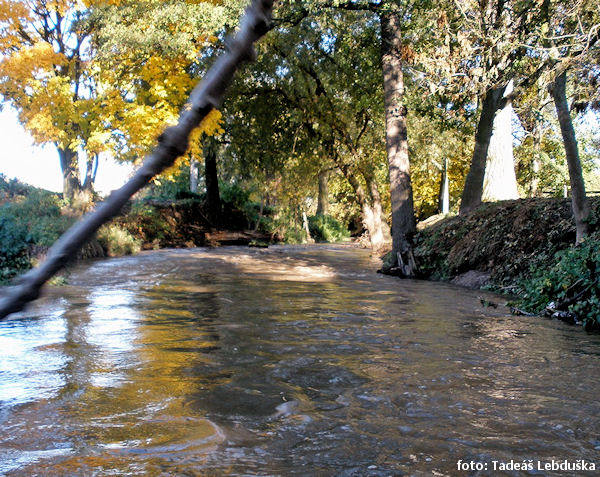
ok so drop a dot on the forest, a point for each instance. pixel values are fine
(359, 117)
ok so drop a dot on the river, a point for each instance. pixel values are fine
(289, 360)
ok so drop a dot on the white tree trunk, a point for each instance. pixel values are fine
(194, 175)
(500, 182)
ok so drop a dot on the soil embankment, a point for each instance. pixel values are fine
(525, 248)
(499, 241)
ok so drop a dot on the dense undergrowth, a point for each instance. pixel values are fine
(31, 220)
(527, 250)
(325, 228)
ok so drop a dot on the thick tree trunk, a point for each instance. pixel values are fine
(579, 201)
(213, 198)
(69, 165)
(500, 180)
(323, 197)
(472, 192)
(403, 215)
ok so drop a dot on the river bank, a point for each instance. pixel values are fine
(32, 219)
(525, 248)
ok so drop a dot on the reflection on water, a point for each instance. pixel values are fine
(285, 361)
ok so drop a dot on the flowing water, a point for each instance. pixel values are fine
(286, 361)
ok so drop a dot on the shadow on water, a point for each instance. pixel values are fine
(284, 361)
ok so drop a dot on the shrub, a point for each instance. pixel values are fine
(572, 283)
(13, 247)
(28, 221)
(324, 228)
(116, 241)
(235, 195)
(145, 222)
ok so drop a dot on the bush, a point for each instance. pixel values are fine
(234, 194)
(28, 221)
(117, 241)
(572, 284)
(12, 188)
(145, 222)
(294, 235)
(13, 247)
(324, 228)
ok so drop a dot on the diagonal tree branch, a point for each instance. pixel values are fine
(172, 143)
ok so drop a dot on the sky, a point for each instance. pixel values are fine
(39, 166)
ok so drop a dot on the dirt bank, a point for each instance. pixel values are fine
(499, 243)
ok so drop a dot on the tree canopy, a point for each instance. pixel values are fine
(334, 81)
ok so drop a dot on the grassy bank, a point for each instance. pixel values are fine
(524, 248)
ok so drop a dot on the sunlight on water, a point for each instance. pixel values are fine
(113, 320)
(30, 360)
(285, 361)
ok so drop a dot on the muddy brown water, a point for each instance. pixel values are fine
(286, 361)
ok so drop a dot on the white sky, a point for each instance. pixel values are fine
(39, 166)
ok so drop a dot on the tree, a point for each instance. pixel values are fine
(148, 57)
(45, 76)
(213, 198)
(403, 218)
(493, 41)
(573, 35)
(323, 196)
(580, 203)
(320, 102)
(500, 180)
(75, 88)
(391, 16)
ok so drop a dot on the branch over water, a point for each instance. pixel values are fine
(173, 142)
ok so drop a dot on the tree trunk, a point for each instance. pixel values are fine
(403, 215)
(69, 165)
(536, 163)
(323, 197)
(472, 192)
(90, 172)
(500, 180)
(444, 199)
(380, 227)
(371, 215)
(579, 201)
(213, 198)
(194, 175)
(306, 228)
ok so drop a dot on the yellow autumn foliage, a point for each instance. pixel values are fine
(64, 95)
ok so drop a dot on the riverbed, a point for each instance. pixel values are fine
(291, 360)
